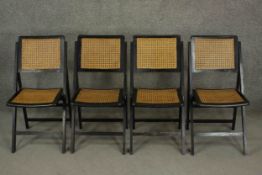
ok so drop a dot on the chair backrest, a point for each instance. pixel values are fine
(41, 53)
(214, 53)
(100, 53)
(156, 53)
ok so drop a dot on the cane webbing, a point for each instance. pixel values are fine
(156, 53)
(36, 96)
(212, 54)
(98, 96)
(100, 53)
(157, 96)
(219, 96)
(41, 54)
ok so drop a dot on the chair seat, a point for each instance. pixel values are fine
(219, 97)
(161, 97)
(99, 96)
(29, 96)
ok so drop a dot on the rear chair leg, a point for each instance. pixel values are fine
(192, 130)
(183, 133)
(180, 118)
(244, 137)
(72, 146)
(14, 131)
(79, 117)
(234, 118)
(124, 129)
(26, 118)
(131, 127)
(64, 130)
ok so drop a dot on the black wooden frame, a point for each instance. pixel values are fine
(122, 98)
(62, 100)
(133, 105)
(194, 102)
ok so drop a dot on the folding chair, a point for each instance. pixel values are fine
(99, 53)
(216, 53)
(157, 54)
(40, 54)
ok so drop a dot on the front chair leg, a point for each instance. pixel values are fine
(72, 145)
(64, 129)
(244, 137)
(13, 149)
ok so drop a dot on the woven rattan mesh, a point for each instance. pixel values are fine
(100, 53)
(36, 96)
(156, 53)
(219, 96)
(41, 53)
(212, 54)
(98, 96)
(159, 96)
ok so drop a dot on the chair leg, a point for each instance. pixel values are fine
(72, 146)
(244, 137)
(64, 129)
(188, 116)
(131, 127)
(124, 129)
(180, 118)
(234, 118)
(13, 149)
(183, 132)
(79, 117)
(70, 114)
(126, 117)
(25, 118)
(192, 130)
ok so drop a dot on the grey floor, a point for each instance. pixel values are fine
(153, 155)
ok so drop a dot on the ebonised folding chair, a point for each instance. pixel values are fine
(36, 54)
(216, 53)
(99, 53)
(157, 54)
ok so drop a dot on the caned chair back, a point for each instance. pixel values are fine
(41, 53)
(100, 53)
(214, 53)
(157, 53)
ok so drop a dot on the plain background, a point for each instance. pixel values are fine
(156, 155)
(130, 17)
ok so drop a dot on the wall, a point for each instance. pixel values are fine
(129, 17)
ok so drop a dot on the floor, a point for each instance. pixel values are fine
(152, 155)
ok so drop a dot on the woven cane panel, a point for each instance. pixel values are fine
(41, 54)
(36, 96)
(156, 53)
(100, 53)
(159, 96)
(212, 54)
(98, 96)
(219, 96)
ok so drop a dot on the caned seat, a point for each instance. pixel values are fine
(36, 97)
(219, 97)
(99, 96)
(157, 97)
